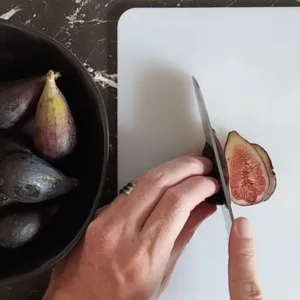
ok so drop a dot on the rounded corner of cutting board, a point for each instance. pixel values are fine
(128, 15)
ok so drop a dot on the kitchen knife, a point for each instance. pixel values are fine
(218, 154)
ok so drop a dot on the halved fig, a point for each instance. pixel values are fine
(249, 181)
(270, 169)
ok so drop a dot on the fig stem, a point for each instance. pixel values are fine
(51, 75)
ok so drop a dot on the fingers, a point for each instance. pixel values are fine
(197, 216)
(243, 282)
(171, 213)
(151, 186)
(203, 211)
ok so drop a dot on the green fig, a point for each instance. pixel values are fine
(24, 177)
(19, 224)
(54, 128)
(16, 99)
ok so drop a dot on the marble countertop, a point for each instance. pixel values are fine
(89, 29)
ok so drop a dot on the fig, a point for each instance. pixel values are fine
(9, 145)
(5, 200)
(249, 179)
(54, 128)
(24, 177)
(17, 98)
(20, 223)
(270, 169)
(217, 198)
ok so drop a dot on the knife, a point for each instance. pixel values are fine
(218, 154)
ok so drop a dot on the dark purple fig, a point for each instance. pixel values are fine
(54, 128)
(24, 177)
(20, 223)
(9, 145)
(5, 200)
(17, 97)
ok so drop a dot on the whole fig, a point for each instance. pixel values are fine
(24, 177)
(17, 97)
(19, 224)
(54, 128)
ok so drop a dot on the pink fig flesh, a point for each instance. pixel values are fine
(270, 169)
(249, 181)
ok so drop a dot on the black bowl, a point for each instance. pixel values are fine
(23, 53)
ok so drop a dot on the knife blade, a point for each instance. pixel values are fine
(212, 141)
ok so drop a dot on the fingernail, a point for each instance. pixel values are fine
(244, 229)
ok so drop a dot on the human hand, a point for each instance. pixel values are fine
(243, 283)
(130, 249)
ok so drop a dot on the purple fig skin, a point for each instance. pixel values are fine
(54, 130)
(7, 147)
(21, 224)
(11, 145)
(5, 200)
(26, 178)
(17, 97)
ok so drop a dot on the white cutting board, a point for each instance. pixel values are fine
(247, 61)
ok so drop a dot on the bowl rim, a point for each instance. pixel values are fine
(104, 120)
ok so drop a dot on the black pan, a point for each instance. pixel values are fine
(23, 53)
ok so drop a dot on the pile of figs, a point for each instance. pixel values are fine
(36, 109)
(248, 170)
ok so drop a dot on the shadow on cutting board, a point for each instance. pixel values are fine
(166, 120)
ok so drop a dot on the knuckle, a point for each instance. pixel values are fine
(207, 185)
(208, 181)
(156, 178)
(173, 197)
(92, 230)
(246, 256)
(250, 290)
(193, 162)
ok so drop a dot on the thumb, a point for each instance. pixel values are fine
(243, 282)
